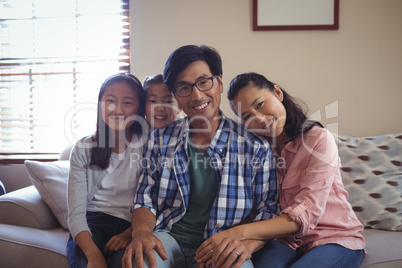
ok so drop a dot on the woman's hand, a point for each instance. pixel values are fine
(118, 242)
(204, 252)
(222, 250)
(228, 252)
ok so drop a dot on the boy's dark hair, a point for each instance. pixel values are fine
(296, 118)
(100, 153)
(182, 57)
(151, 80)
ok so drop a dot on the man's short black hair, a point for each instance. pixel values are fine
(182, 57)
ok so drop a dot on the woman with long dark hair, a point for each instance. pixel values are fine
(317, 226)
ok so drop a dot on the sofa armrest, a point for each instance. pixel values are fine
(25, 207)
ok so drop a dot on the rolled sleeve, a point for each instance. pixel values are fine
(142, 198)
(147, 184)
(299, 214)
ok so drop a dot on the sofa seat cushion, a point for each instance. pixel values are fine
(25, 207)
(383, 248)
(28, 247)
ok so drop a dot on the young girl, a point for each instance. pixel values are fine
(317, 226)
(103, 175)
(161, 106)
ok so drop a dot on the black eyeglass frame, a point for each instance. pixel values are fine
(195, 84)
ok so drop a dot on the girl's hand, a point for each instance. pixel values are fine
(118, 242)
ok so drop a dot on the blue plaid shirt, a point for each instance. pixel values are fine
(244, 167)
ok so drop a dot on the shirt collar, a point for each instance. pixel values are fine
(292, 146)
(218, 142)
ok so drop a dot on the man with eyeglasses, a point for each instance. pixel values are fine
(202, 174)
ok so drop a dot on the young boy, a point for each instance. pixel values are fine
(161, 107)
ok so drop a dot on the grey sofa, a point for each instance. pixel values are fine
(31, 236)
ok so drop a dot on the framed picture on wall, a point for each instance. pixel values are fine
(276, 15)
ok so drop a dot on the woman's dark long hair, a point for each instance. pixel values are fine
(100, 153)
(296, 118)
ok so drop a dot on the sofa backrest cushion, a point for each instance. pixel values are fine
(372, 174)
(65, 154)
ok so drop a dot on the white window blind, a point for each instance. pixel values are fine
(54, 56)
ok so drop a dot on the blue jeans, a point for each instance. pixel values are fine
(103, 227)
(275, 254)
(177, 256)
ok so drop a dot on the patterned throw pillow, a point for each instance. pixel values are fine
(372, 174)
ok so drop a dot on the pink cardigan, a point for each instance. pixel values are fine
(312, 193)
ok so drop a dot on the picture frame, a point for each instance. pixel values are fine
(279, 15)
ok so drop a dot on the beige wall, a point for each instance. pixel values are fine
(360, 65)
(357, 69)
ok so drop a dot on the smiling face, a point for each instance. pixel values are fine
(199, 104)
(261, 110)
(161, 106)
(119, 106)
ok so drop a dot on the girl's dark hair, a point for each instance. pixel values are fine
(100, 153)
(151, 80)
(296, 118)
(182, 57)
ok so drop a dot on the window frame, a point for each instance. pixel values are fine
(123, 66)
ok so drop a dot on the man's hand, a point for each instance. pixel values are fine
(143, 242)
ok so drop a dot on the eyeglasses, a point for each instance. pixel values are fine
(204, 84)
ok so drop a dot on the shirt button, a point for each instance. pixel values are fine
(306, 203)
